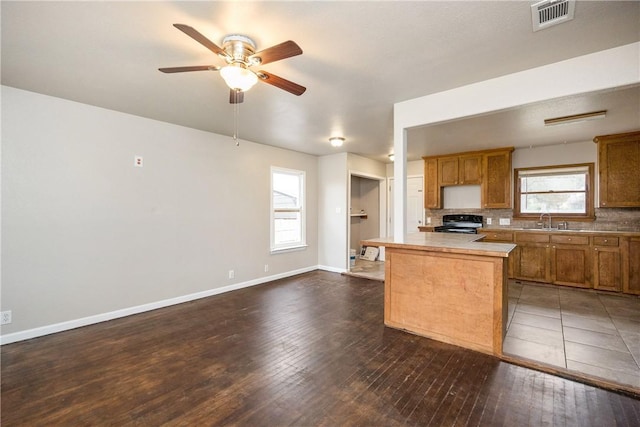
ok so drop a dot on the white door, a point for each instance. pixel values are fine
(415, 204)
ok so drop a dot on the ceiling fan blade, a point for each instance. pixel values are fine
(194, 34)
(284, 84)
(275, 53)
(236, 96)
(189, 68)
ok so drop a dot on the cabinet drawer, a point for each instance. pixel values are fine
(532, 237)
(498, 236)
(570, 240)
(605, 241)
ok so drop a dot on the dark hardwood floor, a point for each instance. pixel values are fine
(310, 350)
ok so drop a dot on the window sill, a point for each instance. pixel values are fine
(289, 249)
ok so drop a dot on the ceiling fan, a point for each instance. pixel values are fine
(239, 52)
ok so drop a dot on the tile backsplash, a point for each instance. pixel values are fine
(607, 219)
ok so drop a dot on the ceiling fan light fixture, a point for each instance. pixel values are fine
(238, 77)
(336, 141)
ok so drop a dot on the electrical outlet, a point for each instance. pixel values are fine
(5, 317)
(137, 161)
(428, 220)
(505, 221)
(232, 274)
(488, 221)
(266, 268)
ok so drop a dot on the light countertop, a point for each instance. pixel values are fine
(444, 242)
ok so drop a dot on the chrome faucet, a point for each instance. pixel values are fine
(542, 220)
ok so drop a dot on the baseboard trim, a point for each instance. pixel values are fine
(103, 317)
(331, 269)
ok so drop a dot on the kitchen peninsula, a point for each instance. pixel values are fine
(448, 287)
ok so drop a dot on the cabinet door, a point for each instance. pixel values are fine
(470, 170)
(632, 282)
(607, 271)
(618, 164)
(501, 236)
(532, 262)
(570, 265)
(431, 186)
(496, 180)
(448, 170)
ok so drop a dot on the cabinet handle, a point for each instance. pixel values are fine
(605, 240)
(595, 249)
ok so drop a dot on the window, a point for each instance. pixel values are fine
(562, 191)
(287, 209)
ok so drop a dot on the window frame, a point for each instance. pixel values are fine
(301, 209)
(589, 215)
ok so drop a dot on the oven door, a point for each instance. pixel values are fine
(449, 229)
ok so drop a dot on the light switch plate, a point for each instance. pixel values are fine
(505, 221)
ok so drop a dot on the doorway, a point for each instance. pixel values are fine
(367, 220)
(415, 204)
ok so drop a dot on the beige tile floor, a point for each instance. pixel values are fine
(579, 330)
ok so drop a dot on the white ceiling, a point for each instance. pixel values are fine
(359, 59)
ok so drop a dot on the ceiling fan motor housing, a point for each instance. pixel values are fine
(239, 48)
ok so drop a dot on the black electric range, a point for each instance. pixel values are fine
(460, 223)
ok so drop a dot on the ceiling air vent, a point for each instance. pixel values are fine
(547, 13)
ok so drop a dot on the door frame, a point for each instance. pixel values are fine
(389, 228)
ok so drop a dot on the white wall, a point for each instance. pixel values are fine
(332, 212)
(84, 233)
(559, 154)
(607, 69)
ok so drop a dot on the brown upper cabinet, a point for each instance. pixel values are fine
(460, 170)
(489, 168)
(431, 186)
(618, 166)
(496, 179)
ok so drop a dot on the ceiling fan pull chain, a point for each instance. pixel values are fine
(235, 124)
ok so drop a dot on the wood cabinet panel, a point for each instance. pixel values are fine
(606, 241)
(431, 185)
(532, 262)
(502, 236)
(532, 237)
(570, 265)
(607, 271)
(470, 170)
(618, 166)
(496, 179)
(448, 171)
(570, 240)
(632, 282)
(497, 236)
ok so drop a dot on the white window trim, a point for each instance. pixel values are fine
(302, 244)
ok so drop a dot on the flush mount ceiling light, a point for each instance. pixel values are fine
(336, 141)
(576, 118)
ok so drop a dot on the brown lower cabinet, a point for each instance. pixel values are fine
(604, 262)
(632, 265)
